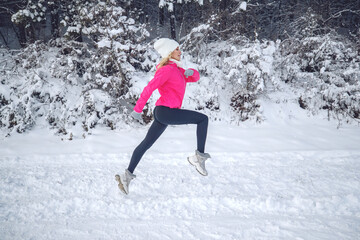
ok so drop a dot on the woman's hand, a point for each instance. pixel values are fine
(188, 73)
(137, 117)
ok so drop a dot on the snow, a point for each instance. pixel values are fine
(243, 6)
(122, 47)
(115, 32)
(73, 29)
(104, 43)
(291, 177)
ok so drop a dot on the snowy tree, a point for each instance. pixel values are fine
(34, 12)
(72, 85)
(170, 6)
(241, 69)
(327, 69)
(308, 25)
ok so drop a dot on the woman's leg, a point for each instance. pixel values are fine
(153, 134)
(174, 116)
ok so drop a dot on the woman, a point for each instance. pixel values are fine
(170, 79)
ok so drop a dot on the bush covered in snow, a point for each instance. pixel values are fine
(326, 73)
(35, 11)
(241, 71)
(323, 72)
(74, 86)
(55, 83)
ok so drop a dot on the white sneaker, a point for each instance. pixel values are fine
(124, 180)
(198, 160)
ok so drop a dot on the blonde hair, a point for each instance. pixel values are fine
(164, 61)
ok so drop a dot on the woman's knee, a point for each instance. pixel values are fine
(204, 119)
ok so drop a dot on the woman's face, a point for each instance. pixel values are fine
(176, 54)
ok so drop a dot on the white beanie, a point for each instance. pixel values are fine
(165, 46)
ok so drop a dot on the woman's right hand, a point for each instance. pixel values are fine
(137, 117)
(188, 73)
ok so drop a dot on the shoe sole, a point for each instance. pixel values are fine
(120, 185)
(196, 167)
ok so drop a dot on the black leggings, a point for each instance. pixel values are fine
(165, 116)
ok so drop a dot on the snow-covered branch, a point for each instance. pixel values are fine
(339, 14)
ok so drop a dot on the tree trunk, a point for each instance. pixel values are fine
(30, 33)
(172, 26)
(223, 5)
(161, 16)
(54, 11)
(22, 35)
(2, 36)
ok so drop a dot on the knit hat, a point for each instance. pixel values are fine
(165, 46)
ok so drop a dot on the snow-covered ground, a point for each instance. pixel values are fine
(288, 178)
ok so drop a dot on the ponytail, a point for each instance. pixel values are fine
(163, 62)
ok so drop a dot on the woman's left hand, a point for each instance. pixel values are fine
(137, 117)
(189, 73)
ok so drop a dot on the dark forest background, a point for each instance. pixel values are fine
(263, 19)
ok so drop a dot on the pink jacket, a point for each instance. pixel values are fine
(171, 83)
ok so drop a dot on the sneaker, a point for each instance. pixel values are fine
(124, 181)
(198, 160)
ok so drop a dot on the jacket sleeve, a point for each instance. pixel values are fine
(159, 79)
(194, 78)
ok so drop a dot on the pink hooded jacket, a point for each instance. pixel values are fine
(171, 83)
